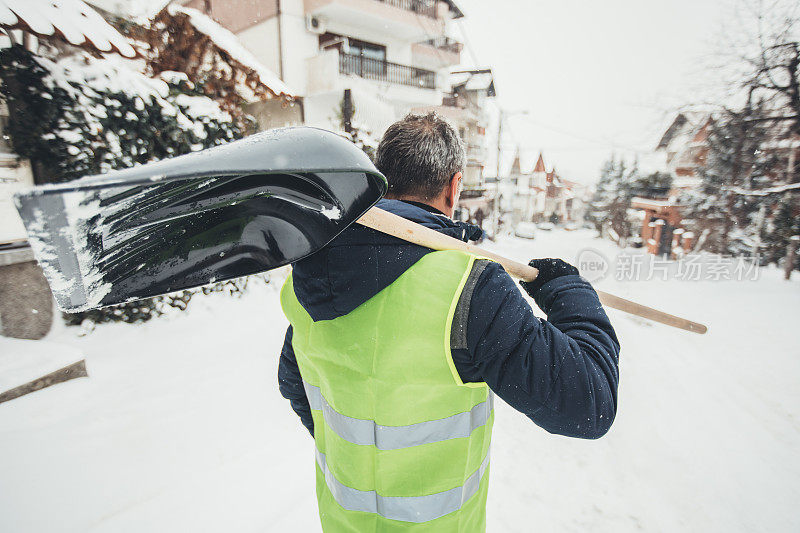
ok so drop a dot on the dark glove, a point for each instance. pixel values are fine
(549, 269)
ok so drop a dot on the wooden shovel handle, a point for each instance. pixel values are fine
(399, 227)
(621, 304)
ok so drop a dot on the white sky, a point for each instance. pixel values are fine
(596, 76)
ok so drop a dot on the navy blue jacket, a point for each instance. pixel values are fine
(561, 372)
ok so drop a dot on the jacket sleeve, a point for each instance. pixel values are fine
(290, 383)
(562, 372)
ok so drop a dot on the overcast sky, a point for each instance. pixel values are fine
(596, 77)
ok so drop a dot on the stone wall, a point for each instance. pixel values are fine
(26, 305)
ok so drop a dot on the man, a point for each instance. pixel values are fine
(394, 350)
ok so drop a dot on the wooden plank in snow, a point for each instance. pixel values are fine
(75, 370)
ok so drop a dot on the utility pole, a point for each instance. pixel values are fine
(496, 203)
(278, 17)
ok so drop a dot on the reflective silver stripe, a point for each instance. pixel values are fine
(405, 508)
(368, 433)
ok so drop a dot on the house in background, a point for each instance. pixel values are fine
(392, 56)
(464, 106)
(684, 149)
(544, 196)
(526, 189)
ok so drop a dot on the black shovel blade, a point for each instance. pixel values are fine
(229, 211)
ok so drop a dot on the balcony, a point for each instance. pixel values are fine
(476, 153)
(408, 20)
(445, 44)
(441, 52)
(386, 71)
(419, 7)
(450, 100)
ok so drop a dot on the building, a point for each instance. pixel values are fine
(684, 150)
(464, 106)
(544, 196)
(526, 190)
(392, 55)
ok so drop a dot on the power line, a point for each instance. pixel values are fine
(468, 43)
(594, 140)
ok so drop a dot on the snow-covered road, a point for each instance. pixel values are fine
(180, 426)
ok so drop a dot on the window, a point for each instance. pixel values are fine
(353, 47)
(367, 50)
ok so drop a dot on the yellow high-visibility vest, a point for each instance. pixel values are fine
(401, 443)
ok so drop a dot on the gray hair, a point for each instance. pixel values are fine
(419, 156)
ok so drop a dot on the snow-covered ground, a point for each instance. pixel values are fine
(180, 426)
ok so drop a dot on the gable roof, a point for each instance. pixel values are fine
(516, 168)
(457, 13)
(540, 164)
(687, 120)
(228, 43)
(474, 80)
(71, 21)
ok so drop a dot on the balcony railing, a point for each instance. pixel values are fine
(421, 7)
(452, 100)
(446, 43)
(375, 69)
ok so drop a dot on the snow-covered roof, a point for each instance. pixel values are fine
(474, 80)
(131, 9)
(540, 165)
(71, 20)
(228, 42)
(649, 202)
(764, 192)
(454, 9)
(684, 128)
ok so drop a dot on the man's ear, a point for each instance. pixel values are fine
(453, 190)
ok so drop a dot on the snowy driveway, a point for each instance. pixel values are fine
(181, 427)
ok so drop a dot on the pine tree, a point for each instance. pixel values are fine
(609, 206)
(655, 183)
(603, 195)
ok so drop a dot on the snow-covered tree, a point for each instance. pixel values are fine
(81, 115)
(608, 209)
(779, 230)
(735, 162)
(182, 39)
(655, 182)
(77, 115)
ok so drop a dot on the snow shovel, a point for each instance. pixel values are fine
(245, 207)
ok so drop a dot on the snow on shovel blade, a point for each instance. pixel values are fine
(229, 211)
